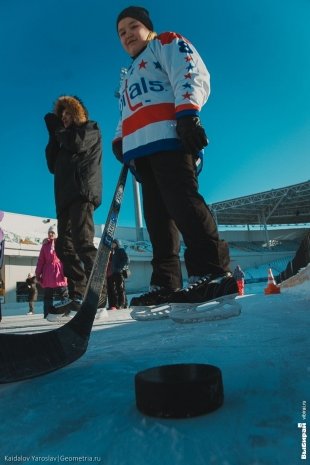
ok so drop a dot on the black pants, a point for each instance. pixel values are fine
(49, 293)
(75, 247)
(172, 204)
(32, 297)
(116, 291)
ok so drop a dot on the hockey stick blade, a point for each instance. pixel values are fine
(24, 356)
(216, 309)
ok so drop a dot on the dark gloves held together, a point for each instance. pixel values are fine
(117, 148)
(192, 134)
(190, 131)
(52, 122)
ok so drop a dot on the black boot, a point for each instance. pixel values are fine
(206, 288)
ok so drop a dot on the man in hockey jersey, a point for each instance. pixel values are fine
(74, 156)
(161, 138)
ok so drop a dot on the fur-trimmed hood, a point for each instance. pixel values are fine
(74, 105)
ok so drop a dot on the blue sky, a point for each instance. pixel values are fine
(257, 117)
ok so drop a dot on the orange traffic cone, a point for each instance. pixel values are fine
(271, 288)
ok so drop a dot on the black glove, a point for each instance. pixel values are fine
(192, 134)
(117, 148)
(52, 122)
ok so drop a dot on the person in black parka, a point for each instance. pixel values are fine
(119, 262)
(32, 292)
(74, 156)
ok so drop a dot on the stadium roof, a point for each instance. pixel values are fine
(287, 205)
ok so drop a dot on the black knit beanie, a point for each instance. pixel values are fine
(136, 12)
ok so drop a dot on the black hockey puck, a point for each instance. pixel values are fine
(179, 391)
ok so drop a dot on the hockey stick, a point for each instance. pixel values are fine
(25, 356)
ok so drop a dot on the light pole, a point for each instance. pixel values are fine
(135, 184)
(138, 210)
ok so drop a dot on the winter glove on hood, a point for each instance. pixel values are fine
(52, 122)
(192, 134)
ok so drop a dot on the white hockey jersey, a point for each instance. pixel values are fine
(166, 81)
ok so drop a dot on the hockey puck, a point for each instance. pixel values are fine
(179, 391)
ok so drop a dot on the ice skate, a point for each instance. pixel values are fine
(153, 312)
(152, 305)
(156, 296)
(206, 288)
(64, 311)
(210, 298)
(217, 309)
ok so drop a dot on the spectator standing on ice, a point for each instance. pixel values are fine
(239, 277)
(49, 272)
(118, 263)
(160, 136)
(74, 156)
(32, 292)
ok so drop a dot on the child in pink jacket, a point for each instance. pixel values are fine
(49, 272)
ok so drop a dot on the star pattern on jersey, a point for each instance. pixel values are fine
(142, 64)
(157, 64)
(188, 76)
(188, 64)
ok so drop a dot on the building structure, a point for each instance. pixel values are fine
(252, 242)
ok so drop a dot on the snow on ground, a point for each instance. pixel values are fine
(86, 413)
(299, 283)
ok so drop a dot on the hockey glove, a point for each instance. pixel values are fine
(52, 122)
(192, 134)
(117, 148)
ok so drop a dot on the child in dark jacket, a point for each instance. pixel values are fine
(119, 262)
(31, 282)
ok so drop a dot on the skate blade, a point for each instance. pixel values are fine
(102, 314)
(61, 318)
(152, 312)
(217, 309)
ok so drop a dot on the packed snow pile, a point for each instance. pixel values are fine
(299, 283)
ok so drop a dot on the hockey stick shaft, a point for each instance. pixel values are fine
(25, 356)
(95, 286)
